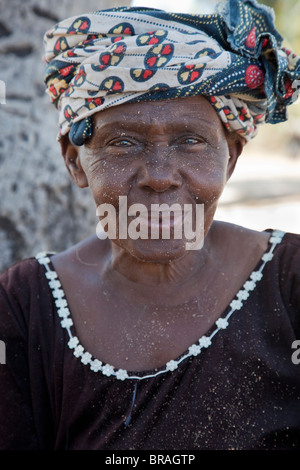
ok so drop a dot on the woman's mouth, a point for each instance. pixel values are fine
(162, 221)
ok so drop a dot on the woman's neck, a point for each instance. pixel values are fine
(154, 282)
(176, 271)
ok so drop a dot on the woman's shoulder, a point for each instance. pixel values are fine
(240, 241)
(86, 254)
(245, 244)
(287, 259)
(241, 234)
(291, 240)
(287, 254)
(22, 284)
(21, 296)
(20, 273)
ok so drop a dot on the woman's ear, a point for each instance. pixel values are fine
(71, 158)
(235, 147)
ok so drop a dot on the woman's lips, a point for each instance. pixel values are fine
(159, 220)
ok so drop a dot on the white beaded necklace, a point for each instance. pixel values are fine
(194, 350)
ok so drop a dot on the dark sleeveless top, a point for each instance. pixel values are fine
(241, 392)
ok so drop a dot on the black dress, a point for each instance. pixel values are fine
(242, 391)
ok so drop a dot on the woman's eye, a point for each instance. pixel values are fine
(192, 141)
(121, 143)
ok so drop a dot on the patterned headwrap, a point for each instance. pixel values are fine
(233, 57)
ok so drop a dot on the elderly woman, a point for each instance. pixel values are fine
(139, 342)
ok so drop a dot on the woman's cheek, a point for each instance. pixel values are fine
(108, 187)
(207, 186)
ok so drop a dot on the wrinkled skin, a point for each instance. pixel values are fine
(132, 299)
(140, 153)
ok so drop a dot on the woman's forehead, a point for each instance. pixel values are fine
(175, 111)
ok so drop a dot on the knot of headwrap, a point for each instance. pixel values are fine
(234, 57)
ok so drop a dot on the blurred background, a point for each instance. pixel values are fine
(40, 209)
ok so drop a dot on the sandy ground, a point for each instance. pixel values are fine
(264, 191)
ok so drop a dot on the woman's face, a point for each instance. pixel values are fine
(165, 152)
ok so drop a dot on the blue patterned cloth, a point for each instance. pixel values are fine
(233, 57)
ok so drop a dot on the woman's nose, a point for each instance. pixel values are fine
(159, 173)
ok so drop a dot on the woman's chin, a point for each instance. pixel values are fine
(154, 251)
